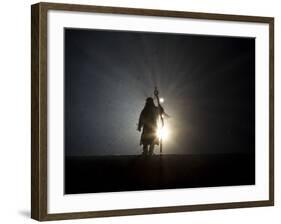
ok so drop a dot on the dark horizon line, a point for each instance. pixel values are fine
(166, 154)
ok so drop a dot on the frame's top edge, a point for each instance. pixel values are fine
(153, 12)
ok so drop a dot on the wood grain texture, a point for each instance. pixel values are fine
(34, 113)
(39, 203)
(153, 12)
(38, 112)
(271, 111)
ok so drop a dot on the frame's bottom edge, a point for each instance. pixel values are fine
(156, 210)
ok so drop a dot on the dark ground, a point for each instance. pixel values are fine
(132, 172)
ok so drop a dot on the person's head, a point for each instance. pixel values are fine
(149, 102)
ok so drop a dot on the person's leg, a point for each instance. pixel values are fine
(151, 149)
(145, 150)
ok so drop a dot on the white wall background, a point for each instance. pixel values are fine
(15, 111)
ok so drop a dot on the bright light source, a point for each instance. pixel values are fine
(162, 132)
(161, 100)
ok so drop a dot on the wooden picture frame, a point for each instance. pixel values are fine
(39, 110)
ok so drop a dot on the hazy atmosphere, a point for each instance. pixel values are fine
(207, 82)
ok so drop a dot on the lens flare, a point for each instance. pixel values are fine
(161, 100)
(162, 132)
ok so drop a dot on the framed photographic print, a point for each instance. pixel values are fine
(139, 111)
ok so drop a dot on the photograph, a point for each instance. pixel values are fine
(145, 111)
(154, 111)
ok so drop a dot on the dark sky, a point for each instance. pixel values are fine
(208, 83)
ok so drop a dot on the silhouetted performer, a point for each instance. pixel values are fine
(148, 123)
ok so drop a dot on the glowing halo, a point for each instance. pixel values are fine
(162, 132)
